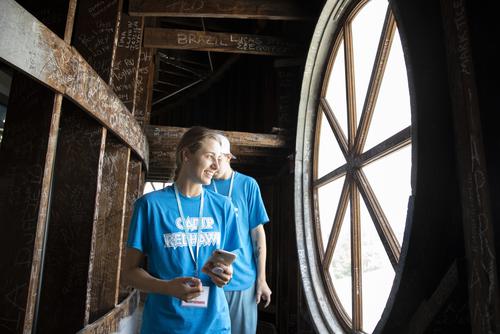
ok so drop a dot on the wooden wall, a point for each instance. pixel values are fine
(72, 158)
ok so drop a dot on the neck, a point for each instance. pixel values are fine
(187, 187)
(227, 174)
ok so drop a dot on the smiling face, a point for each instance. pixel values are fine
(202, 164)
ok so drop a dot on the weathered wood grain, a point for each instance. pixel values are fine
(23, 180)
(110, 322)
(219, 42)
(237, 9)
(36, 51)
(251, 149)
(478, 225)
(106, 250)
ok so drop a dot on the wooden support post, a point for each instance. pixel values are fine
(111, 40)
(288, 82)
(484, 306)
(104, 269)
(141, 109)
(144, 87)
(134, 190)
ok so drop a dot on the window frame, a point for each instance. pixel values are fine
(328, 313)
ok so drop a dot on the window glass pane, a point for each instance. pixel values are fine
(330, 156)
(392, 110)
(389, 178)
(340, 268)
(366, 30)
(152, 186)
(377, 270)
(328, 201)
(336, 92)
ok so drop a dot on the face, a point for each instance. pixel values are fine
(202, 164)
(224, 165)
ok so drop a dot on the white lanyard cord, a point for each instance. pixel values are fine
(230, 185)
(184, 225)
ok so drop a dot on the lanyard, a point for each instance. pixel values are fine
(230, 185)
(184, 225)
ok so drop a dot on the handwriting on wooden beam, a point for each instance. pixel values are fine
(217, 41)
(236, 9)
(37, 51)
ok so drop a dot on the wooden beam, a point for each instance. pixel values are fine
(219, 42)
(168, 135)
(259, 150)
(38, 52)
(236, 9)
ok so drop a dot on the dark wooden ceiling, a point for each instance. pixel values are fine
(202, 43)
(229, 65)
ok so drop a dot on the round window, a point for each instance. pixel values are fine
(353, 165)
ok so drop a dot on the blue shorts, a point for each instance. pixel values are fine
(243, 310)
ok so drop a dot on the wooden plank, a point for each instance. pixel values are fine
(35, 50)
(170, 135)
(105, 255)
(77, 179)
(288, 84)
(258, 151)
(236, 9)
(181, 39)
(94, 34)
(126, 59)
(110, 39)
(110, 322)
(26, 144)
(144, 85)
(133, 192)
(478, 226)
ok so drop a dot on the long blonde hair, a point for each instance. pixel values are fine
(191, 141)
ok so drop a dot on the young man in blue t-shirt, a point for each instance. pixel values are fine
(248, 285)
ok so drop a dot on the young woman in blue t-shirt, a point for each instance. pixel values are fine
(178, 228)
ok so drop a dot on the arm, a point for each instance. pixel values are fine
(260, 252)
(185, 288)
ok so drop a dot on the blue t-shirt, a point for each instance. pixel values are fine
(156, 229)
(251, 212)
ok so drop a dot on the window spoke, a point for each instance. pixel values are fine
(334, 124)
(357, 287)
(351, 87)
(375, 80)
(337, 225)
(391, 144)
(382, 226)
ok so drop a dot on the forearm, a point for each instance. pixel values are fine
(259, 251)
(140, 279)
